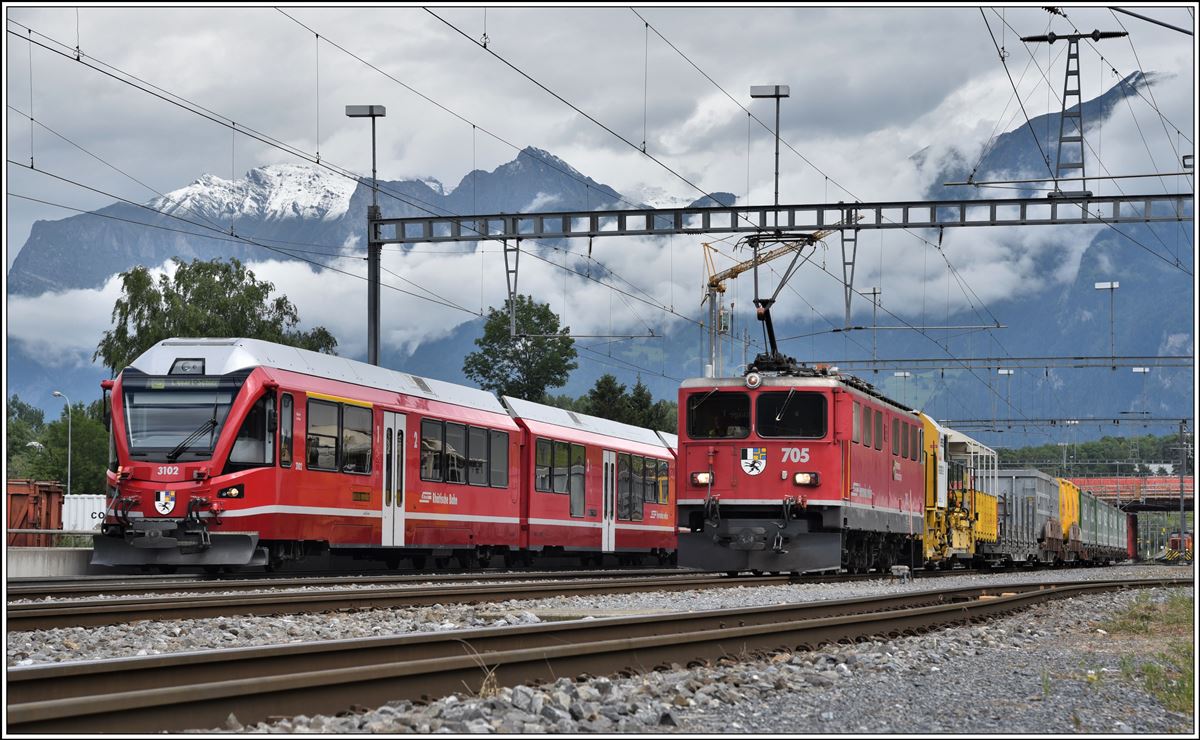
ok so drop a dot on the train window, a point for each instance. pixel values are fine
(542, 465)
(624, 488)
(878, 429)
(651, 481)
(866, 426)
(562, 465)
(578, 478)
(914, 445)
(664, 482)
(356, 439)
(895, 436)
(455, 453)
(637, 486)
(477, 456)
(252, 448)
(322, 438)
(431, 450)
(498, 460)
(854, 417)
(904, 440)
(287, 419)
(799, 414)
(712, 415)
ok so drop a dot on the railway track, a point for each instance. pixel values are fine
(92, 605)
(199, 690)
(77, 588)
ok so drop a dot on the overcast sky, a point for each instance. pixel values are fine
(869, 88)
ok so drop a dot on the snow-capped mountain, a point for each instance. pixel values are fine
(268, 193)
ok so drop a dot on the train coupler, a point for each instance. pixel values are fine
(777, 544)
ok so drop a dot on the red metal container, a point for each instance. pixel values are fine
(33, 505)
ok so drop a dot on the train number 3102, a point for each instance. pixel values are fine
(795, 454)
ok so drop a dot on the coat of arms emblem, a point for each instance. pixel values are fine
(164, 501)
(754, 460)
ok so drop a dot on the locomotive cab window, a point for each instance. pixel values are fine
(712, 415)
(254, 446)
(795, 414)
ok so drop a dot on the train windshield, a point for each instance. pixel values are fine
(797, 414)
(176, 418)
(712, 415)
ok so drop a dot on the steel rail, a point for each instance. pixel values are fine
(78, 588)
(30, 588)
(48, 615)
(199, 690)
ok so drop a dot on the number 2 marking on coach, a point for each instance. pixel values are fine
(795, 454)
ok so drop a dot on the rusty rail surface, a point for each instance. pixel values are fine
(199, 690)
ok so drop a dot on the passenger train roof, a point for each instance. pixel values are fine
(583, 422)
(222, 356)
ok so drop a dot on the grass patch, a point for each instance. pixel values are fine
(1170, 676)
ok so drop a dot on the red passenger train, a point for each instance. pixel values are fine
(231, 452)
(797, 470)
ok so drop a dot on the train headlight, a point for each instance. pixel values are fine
(702, 479)
(806, 479)
(753, 380)
(232, 492)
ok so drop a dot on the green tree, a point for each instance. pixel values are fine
(526, 365)
(89, 449)
(25, 426)
(641, 406)
(203, 299)
(665, 417)
(608, 400)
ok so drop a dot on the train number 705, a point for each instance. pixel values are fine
(795, 454)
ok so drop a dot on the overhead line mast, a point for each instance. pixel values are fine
(1072, 106)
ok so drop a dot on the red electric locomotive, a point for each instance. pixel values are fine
(796, 469)
(233, 452)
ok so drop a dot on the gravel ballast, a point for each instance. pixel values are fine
(1048, 669)
(154, 637)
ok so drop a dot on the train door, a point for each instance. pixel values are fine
(393, 478)
(608, 524)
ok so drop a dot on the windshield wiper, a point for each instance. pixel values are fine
(704, 398)
(191, 438)
(786, 401)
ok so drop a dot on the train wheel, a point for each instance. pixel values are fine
(167, 569)
(733, 573)
(441, 563)
(418, 562)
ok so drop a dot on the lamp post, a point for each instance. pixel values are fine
(905, 375)
(373, 246)
(1112, 312)
(1008, 385)
(60, 394)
